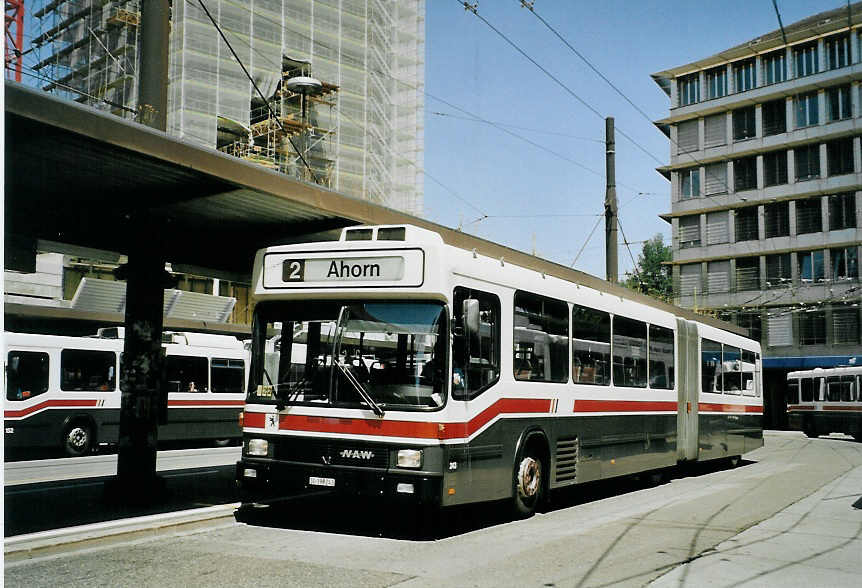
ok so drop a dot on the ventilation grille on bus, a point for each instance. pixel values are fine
(567, 460)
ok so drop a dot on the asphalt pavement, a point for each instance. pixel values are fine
(715, 528)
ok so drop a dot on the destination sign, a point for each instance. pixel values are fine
(401, 268)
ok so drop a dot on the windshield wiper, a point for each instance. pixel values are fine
(360, 389)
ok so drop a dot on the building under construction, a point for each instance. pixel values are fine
(356, 126)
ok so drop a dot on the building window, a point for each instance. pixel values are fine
(838, 103)
(744, 75)
(717, 228)
(689, 183)
(845, 263)
(747, 274)
(809, 216)
(689, 231)
(805, 60)
(778, 271)
(745, 173)
(752, 322)
(811, 266)
(716, 178)
(806, 110)
(689, 89)
(746, 224)
(842, 211)
(807, 160)
(845, 326)
(774, 117)
(777, 219)
(812, 328)
(689, 279)
(715, 130)
(837, 51)
(716, 82)
(775, 67)
(839, 156)
(718, 276)
(779, 328)
(744, 123)
(775, 168)
(687, 136)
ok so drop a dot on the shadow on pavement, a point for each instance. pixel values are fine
(329, 513)
(30, 508)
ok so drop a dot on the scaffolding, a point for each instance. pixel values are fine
(90, 52)
(363, 133)
(283, 129)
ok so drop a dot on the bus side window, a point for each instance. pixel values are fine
(662, 354)
(710, 366)
(228, 375)
(474, 374)
(807, 386)
(541, 338)
(93, 371)
(186, 373)
(26, 374)
(792, 392)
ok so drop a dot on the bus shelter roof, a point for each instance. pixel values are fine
(79, 176)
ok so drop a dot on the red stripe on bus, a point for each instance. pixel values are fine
(715, 407)
(206, 402)
(416, 430)
(77, 402)
(824, 408)
(624, 406)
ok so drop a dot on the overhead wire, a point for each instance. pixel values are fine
(253, 83)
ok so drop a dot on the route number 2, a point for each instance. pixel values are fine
(293, 270)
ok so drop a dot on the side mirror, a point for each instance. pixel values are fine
(471, 318)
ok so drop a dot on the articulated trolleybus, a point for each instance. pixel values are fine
(826, 400)
(441, 376)
(63, 392)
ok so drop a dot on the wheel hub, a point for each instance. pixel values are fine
(529, 477)
(78, 437)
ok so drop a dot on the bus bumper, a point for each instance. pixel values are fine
(263, 480)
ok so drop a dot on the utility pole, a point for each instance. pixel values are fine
(610, 204)
(143, 404)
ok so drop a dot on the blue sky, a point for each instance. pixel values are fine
(535, 199)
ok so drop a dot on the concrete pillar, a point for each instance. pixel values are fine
(761, 222)
(791, 119)
(824, 169)
(731, 80)
(762, 262)
(731, 188)
(760, 173)
(792, 214)
(153, 84)
(144, 397)
(821, 54)
(857, 157)
(794, 268)
(821, 107)
(791, 167)
(758, 121)
(824, 214)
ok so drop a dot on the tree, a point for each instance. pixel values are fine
(650, 276)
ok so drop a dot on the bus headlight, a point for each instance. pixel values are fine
(409, 458)
(258, 447)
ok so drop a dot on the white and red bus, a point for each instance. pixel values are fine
(64, 392)
(438, 375)
(826, 400)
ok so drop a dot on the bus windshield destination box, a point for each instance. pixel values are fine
(376, 268)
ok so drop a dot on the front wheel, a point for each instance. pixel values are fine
(78, 440)
(529, 483)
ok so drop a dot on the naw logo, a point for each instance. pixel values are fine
(356, 454)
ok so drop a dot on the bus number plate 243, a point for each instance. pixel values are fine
(315, 481)
(293, 270)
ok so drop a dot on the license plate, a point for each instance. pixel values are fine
(315, 481)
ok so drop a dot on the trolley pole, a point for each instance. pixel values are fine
(610, 204)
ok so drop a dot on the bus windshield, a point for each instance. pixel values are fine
(379, 355)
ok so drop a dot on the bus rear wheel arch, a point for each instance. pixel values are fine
(530, 475)
(78, 438)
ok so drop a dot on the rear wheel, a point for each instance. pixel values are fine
(529, 482)
(78, 440)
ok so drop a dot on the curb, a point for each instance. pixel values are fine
(58, 537)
